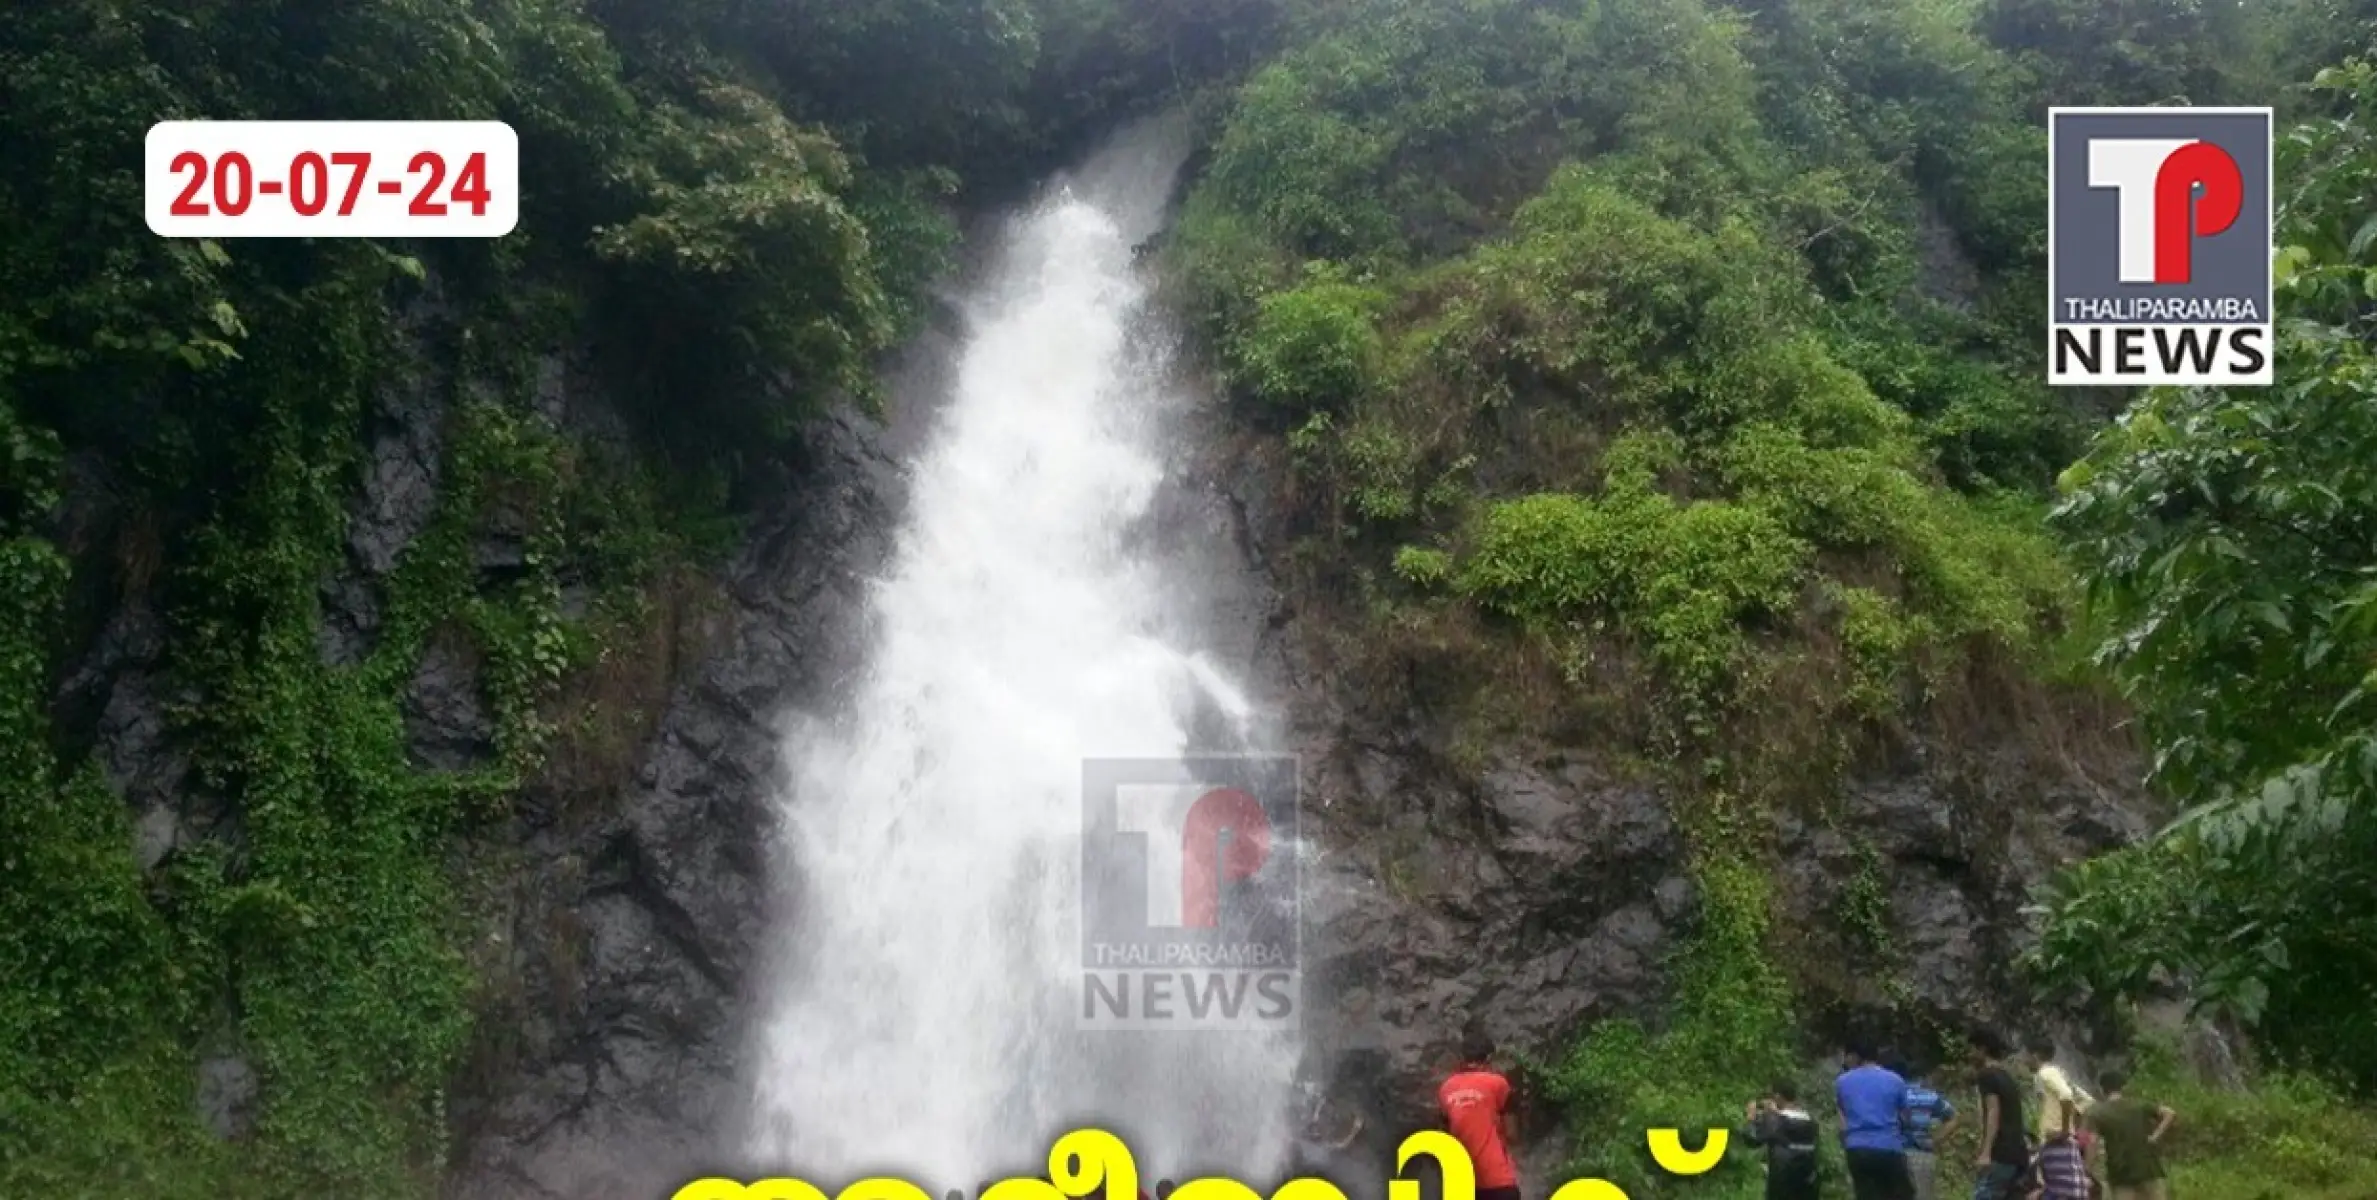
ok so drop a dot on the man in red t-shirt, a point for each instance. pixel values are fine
(1476, 1105)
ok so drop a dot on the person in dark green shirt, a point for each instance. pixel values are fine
(2130, 1133)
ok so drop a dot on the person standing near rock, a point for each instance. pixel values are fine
(2061, 1102)
(1778, 1123)
(2005, 1151)
(1475, 1102)
(1871, 1097)
(2131, 1134)
(1927, 1119)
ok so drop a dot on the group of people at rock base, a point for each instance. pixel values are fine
(2079, 1148)
(1891, 1123)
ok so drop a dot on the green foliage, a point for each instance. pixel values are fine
(746, 270)
(1768, 278)
(1222, 267)
(350, 991)
(2227, 535)
(316, 933)
(1684, 576)
(82, 948)
(1596, 291)
(1863, 904)
(911, 81)
(1311, 348)
(1381, 467)
(1728, 1036)
(911, 238)
(2133, 52)
(1987, 423)
(1877, 639)
(1752, 259)
(2286, 1137)
(1307, 173)
(1424, 566)
(1403, 121)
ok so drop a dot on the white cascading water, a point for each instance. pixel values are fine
(922, 1018)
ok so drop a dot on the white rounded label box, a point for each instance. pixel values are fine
(332, 179)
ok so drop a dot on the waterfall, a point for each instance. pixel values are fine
(929, 1016)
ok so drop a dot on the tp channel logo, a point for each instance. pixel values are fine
(1189, 893)
(2159, 247)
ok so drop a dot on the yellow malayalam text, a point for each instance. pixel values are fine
(1092, 1164)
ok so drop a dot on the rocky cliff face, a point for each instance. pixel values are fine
(621, 903)
(1543, 889)
(629, 927)
(632, 926)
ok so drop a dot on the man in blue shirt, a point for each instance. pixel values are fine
(1871, 1096)
(1927, 1119)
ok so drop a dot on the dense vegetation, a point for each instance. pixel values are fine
(2227, 537)
(727, 200)
(1689, 351)
(1652, 373)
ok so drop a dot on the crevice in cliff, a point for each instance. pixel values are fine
(637, 878)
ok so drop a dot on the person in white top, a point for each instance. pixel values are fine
(2061, 1102)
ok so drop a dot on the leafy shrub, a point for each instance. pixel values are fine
(1424, 566)
(1846, 497)
(1539, 558)
(1977, 570)
(1876, 639)
(1310, 348)
(1222, 267)
(2288, 1135)
(747, 257)
(1682, 575)
(1718, 563)
(1727, 1036)
(1794, 380)
(1416, 123)
(1309, 172)
(2226, 538)
(1382, 467)
(1596, 291)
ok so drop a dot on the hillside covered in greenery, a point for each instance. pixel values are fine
(1665, 366)
(1692, 352)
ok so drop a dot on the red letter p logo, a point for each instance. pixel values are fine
(2161, 214)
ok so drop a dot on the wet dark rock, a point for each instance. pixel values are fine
(1526, 907)
(1548, 893)
(633, 929)
(350, 620)
(398, 493)
(227, 1092)
(132, 739)
(500, 558)
(447, 724)
(400, 473)
(1949, 275)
